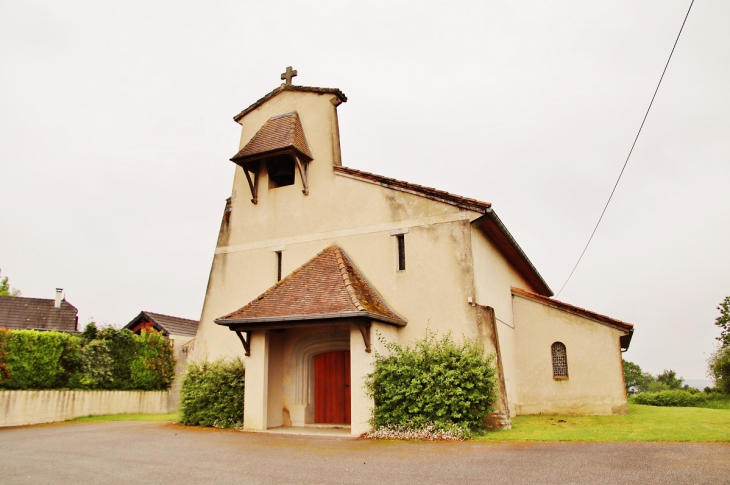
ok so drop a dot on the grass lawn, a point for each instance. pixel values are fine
(643, 423)
(129, 417)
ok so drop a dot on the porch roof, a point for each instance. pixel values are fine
(325, 290)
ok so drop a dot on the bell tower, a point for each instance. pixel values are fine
(285, 132)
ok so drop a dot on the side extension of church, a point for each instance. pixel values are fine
(316, 264)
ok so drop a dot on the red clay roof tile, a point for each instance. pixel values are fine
(278, 133)
(327, 284)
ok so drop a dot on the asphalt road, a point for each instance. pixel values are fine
(146, 452)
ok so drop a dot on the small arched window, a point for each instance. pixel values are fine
(560, 361)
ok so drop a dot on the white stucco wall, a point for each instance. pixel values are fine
(18, 408)
(595, 384)
(494, 277)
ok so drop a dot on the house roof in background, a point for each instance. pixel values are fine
(281, 132)
(168, 324)
(18, 312)
(327, 286)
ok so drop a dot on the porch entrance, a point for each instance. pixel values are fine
(332, 387)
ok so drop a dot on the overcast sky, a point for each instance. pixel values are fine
(116, 129)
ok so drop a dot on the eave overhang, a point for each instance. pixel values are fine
(496, 231)
(291, 321)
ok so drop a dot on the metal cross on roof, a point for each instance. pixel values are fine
(288, 74)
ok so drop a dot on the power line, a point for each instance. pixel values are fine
(630, 151)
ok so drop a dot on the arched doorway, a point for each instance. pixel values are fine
(332, 387)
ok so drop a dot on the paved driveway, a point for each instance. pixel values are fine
(146, 452)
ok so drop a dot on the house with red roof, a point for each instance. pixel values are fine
(318, 264)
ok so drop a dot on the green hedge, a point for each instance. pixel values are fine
(435, 381)
(673, 398)
(97, 359)
(212, 394)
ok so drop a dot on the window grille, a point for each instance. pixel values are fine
(560, 360)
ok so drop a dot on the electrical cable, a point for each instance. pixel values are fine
(630, 151)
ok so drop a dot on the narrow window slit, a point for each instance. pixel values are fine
(278, 265)
(401, 252)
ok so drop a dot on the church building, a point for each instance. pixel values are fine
(318, 264)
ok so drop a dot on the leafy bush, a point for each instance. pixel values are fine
(153, 365)
(436, 381)
(96, 365)
(123, 347)
(675, 398)
(212, 394)
(105, 359)
(5, 373)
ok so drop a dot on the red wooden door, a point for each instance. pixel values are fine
(332, 387)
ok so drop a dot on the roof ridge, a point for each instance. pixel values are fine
(346, 278)
(169, 316)
(328, 284)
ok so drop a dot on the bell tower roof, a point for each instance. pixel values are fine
(341, 98)
(280, 133)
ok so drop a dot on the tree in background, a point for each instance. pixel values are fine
(719, 362)
(723, 321)
(636, 380)
(719, 369)
(5, 289)
(669, 378)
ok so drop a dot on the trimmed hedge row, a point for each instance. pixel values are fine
(673, 398)
(107, 359)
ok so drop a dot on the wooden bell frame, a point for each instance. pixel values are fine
(252, 169)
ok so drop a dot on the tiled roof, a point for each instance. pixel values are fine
(278, 133)
(574, 309)
(428, 192)
(326, 286)
(490, 223)
(290, 87)
(170, 325)
(18, 312)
